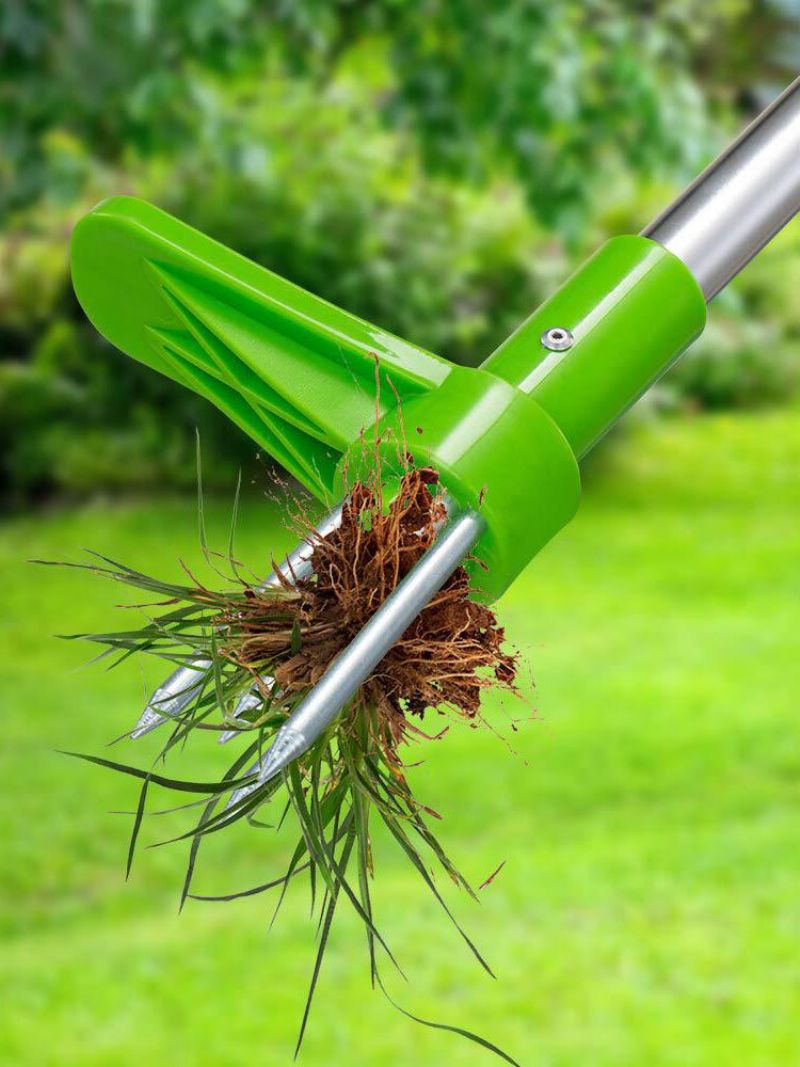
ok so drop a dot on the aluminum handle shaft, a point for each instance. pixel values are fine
(740, 201)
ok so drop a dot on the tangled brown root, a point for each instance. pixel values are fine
(452, 651)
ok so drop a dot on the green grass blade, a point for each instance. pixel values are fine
(324, 935)
(468, 1034)
(205, 818)
(137, 823)
(254, 890)
(400, 836)
(157, 779)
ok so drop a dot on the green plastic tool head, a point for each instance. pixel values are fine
(294, 372)
(304, 378)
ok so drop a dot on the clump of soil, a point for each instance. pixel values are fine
(452, 651)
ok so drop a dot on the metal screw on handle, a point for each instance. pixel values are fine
(558, 339)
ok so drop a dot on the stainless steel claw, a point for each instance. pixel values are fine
(184, 684)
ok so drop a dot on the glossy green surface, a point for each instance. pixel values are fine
(293, 371)
(301, 376)
(498, 451)
(632, 308)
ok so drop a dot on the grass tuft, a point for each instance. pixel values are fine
(273, 644)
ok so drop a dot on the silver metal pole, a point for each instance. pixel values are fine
(740, 201)
(357, 661)
(185, 683)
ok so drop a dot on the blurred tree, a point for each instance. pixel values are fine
(562, 92)
(116, 74)
(433, 166)
(559, 91)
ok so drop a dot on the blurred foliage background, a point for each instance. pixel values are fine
(436, 167)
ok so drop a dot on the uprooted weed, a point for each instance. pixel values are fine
(272, 645)
(452, 652)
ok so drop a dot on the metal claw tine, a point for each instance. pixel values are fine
(248, 702)
(184, 684)
(287, 745)
(167, 702)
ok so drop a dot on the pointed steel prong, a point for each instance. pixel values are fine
(170, 699)
(286, 746)
(185, 683)
(243, 791)
(354, 664)
(248, 702)
(149, 720)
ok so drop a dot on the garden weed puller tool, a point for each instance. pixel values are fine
(298, 375)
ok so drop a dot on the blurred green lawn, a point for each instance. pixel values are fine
(649, 910)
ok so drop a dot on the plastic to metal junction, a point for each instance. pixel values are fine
(740, 201)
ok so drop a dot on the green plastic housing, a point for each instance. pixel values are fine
(632, 309)
(304, 378)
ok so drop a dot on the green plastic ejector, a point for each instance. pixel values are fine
(299, 376)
